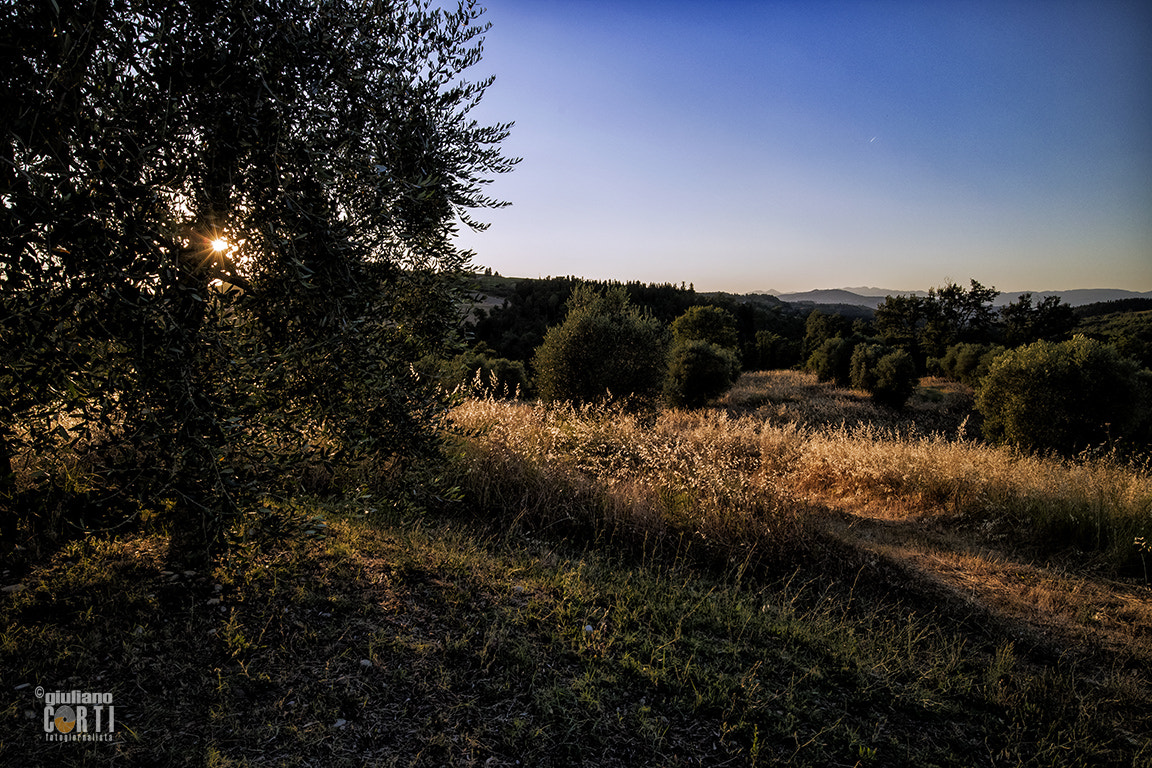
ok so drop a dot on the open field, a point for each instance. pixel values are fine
(792, 576)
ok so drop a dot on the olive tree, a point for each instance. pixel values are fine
(605, 348)
(703, 362)
(698, 372)
(887, 374)
(1065, 397)
(226, 226)
(706, 323)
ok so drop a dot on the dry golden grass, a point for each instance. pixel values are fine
(674, 475)
(730, 463)
(783, 458)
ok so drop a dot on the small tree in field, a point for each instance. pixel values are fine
(606, 347)
(895, 379)
(705, 323)
(698, 372)
(832, 360)
(888, 375)
(1064, 396)
(703, 362)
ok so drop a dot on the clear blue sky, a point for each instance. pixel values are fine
(747, 146)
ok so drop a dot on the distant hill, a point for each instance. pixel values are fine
(1079, 296)
(835, 296)
(846, 301)
(874, 297)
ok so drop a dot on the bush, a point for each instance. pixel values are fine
(888, 375)
(1065, 397)
(832, 360)
(482, 371)
(705, 323)
(605, 348)
(865, 358)
(966, 363)
(896, 379)
(699, 371)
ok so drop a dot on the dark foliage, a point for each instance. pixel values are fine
(1065, 397)
(699, 371)
(481, 372)
(833, 360)
(328, 142)
(925, 326)
(966, 363)
(1048, 320)
(517, 327)
(606, 348)
(1098, 308)
(703, 362)
(887, 374)
(819, 328)
(773, 351)
(708, 324)
(1130, 332)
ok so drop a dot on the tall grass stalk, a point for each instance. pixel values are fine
(748, 485)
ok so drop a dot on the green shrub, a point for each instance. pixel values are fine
(888, 375)
(606, 347)
(819, 328)
(1064, 396)
(896, 379)
(832, 360)
(965, 363)
(705, 323)
(699, 371)
(864, 359)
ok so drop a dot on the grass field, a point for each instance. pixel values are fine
(792, 576)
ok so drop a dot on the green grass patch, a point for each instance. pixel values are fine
(386, 643)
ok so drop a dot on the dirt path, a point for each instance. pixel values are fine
(1056, 607)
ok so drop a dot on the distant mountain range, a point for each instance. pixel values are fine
(874, 297)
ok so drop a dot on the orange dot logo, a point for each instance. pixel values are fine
(65, 719)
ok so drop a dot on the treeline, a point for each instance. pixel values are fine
(944, 331)
(515, 329)
(773, 334)
(1044, 378)
(1116, 306)
(1047, 377)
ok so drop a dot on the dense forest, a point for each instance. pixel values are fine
(515, 328)
(773, 334)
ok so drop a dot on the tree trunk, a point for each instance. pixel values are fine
(9, 519)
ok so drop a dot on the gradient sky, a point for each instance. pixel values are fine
(748, 146)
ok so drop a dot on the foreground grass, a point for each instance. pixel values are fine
(411, 645)
(762, 583)
(750, 474)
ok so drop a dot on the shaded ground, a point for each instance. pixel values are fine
(1103, 620)
(906, 638)
(392, 646)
